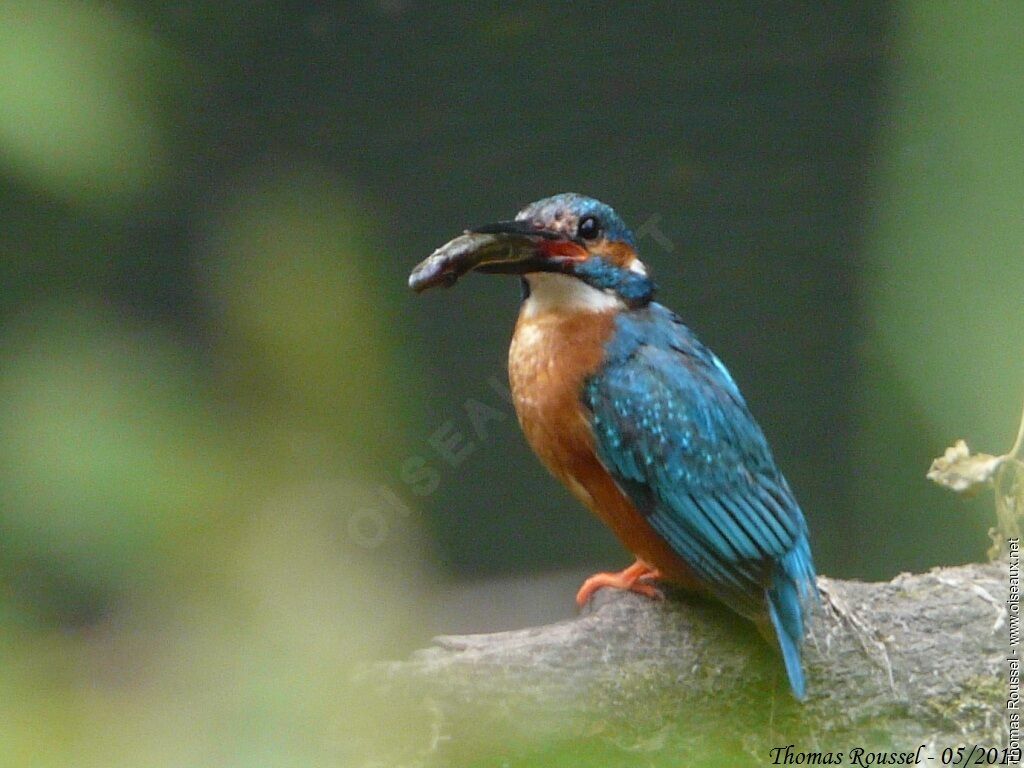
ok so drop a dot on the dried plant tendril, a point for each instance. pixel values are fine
(964, 472)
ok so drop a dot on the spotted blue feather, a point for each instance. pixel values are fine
(673, 429)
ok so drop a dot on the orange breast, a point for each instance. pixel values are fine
(550, 356)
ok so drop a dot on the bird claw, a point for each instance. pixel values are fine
(632, 579)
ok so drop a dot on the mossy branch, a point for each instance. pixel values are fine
(920, 660)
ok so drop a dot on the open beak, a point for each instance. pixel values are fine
(508, 247)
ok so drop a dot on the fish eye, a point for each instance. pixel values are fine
(589, 228)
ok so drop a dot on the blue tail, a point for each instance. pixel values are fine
(792, 587)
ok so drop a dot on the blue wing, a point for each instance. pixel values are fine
(672, 428)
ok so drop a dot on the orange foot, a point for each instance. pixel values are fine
(633, 579)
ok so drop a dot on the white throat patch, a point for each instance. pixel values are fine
(550, 292)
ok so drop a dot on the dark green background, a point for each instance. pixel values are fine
(213, 376)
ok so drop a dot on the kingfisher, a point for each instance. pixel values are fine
(639, 420)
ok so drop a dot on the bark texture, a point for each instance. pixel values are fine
(920, 660)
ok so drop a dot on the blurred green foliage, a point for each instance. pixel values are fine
(180, 580)
(80, 93)
(212, 380)
(942, 327)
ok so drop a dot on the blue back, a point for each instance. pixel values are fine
(672, 428)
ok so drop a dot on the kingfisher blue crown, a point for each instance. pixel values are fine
(572, 208)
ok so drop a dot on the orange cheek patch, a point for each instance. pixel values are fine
(618, 253)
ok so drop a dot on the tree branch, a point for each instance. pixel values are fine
(918, 660)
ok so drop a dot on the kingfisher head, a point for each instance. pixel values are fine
(571, 248)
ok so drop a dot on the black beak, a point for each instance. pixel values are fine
(507, 247)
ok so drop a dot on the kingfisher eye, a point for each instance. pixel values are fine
(589, 228)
